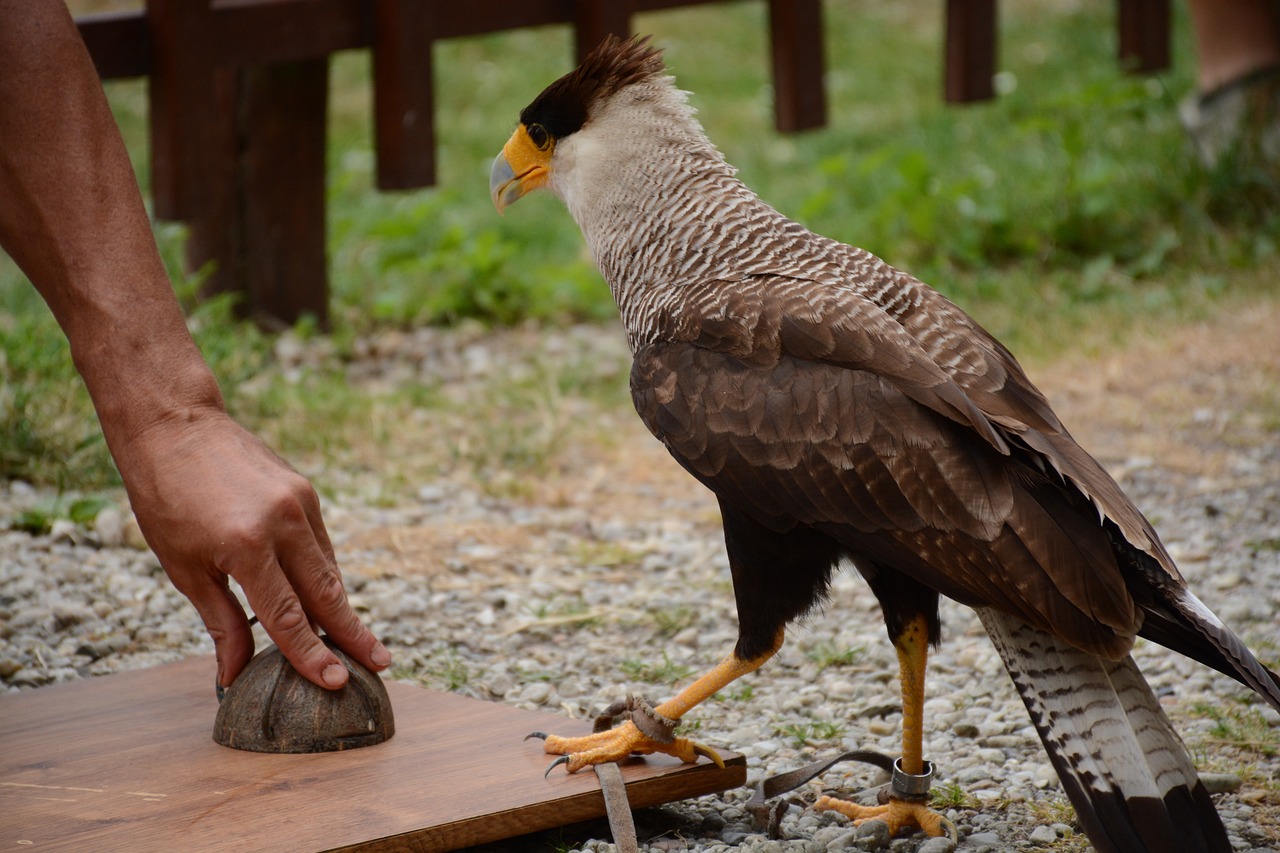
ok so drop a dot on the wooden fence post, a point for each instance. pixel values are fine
(281, 193)
(795, 38)
(1145, 27)
(595, 19)
(403, 94)
(971, 50)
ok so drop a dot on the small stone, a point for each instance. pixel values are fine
(1044, 835)
(881, 727)
(66, 615)
(734, 837)
(133, 537)
(1045, 776)
(1220, 783)
(109, 525)
(103, 646)
(1063, 830)
(27, 677)
(501, 684)
(1227, 580)
(983, 841)
(843, 841)
(538, 692)
(8, 666)
(965, 730)
(764, 747)
(64, 530)
(712, 823)
(941, 844)
(876, 832)
(841, 689)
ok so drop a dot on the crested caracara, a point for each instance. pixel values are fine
(840, 409)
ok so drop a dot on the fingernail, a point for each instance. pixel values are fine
(380, 656)
(334, 675)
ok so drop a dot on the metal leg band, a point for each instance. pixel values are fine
(907, 786)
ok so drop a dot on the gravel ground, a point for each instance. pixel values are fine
(608, 576)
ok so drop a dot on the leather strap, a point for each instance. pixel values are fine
(621, 822)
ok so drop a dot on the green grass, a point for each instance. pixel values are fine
(810, 734)
(448, 671)
(1063, 214)
(952, 795)
(666, 672)
(827, 654)
(1242, 727)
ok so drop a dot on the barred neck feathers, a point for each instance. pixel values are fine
(656, 201)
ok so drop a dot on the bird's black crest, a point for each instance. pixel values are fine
(562, 108)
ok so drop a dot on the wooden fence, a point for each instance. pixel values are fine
(238, 94)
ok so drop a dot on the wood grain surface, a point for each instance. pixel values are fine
(127, 762)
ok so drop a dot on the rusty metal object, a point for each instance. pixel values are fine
(271, 708)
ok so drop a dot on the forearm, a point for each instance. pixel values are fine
(72, 218)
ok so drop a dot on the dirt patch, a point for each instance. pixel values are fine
(1191, 399)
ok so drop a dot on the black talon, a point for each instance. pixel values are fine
(564, 759)
(538, 735)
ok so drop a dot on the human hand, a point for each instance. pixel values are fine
(214, 502)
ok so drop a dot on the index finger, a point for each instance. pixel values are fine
(281, 614)
(313, 571)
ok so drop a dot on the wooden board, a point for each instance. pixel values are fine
(127, 762)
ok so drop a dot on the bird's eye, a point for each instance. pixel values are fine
(538, 136)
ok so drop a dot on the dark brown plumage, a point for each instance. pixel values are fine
(841, 409)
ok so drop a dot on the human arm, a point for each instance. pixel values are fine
(212, 500)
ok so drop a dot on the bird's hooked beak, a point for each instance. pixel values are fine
(520, 168)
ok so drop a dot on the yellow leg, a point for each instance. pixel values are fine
(913, 656)
(617, 743)
(900, 814)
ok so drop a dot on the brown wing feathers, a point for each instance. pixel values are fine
(885, 476)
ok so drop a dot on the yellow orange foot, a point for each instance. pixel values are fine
(644, 732)
(615, 745)
(898, 814)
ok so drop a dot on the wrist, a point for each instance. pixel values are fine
(138, 384)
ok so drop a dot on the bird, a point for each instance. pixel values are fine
(845, 413)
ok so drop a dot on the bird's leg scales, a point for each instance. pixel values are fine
(903, 805)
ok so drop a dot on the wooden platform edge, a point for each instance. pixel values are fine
(641, 793)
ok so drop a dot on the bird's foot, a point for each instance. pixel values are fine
(898, 814)
(902, 805)
(643, 732)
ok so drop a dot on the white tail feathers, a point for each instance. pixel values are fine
(1120, 761)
